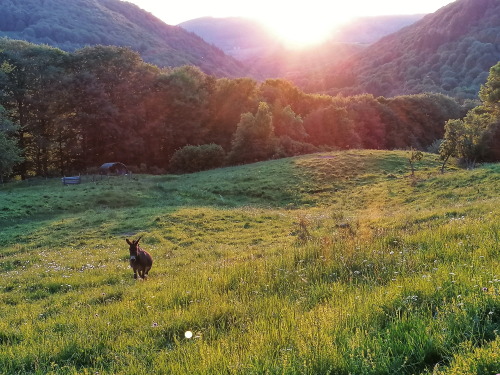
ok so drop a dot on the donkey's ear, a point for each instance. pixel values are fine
(137, 241)
(130, 243)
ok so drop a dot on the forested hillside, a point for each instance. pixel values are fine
(70, 25)
(449, 51)
(256, 46)
(74, 111)
(370, 29)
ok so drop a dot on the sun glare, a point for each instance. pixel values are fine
(300, 27)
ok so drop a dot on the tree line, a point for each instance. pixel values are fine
(476, 137)
(63, 113)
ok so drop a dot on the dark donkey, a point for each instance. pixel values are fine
(140, 260)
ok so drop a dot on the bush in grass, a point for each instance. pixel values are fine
(286, 146)
(197, 158)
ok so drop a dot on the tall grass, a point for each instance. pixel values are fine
(325, 264)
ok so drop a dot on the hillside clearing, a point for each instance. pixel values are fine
(333, 263)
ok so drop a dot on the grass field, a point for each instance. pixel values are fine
(335, 263)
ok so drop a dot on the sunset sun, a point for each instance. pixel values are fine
(301, 27)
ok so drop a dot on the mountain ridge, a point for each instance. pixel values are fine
(449, 51)
(79, 23)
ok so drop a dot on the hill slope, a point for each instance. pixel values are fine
(236, 36)
(71, 25)
(371, 29)
(290, 266)
(256, 46)
(449, 51)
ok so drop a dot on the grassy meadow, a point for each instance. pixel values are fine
(334, 263)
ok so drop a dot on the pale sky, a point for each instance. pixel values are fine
(291, 19)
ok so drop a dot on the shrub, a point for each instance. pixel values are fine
(197, 158)
(286, 146)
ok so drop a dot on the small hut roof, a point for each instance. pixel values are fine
(115, 167)
(109, 165)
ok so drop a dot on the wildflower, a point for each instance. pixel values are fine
(484, 289)
(188, 334)
(154, 324)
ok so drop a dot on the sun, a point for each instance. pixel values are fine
(304, 26)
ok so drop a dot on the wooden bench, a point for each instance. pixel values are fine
(71, 180)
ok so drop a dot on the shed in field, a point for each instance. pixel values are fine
(116, 169)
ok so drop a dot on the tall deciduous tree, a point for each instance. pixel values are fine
(253, 140)
(490, 96)
(331, 126)
(477, 136)
(27, 86)
(106, 85)
(10, 153)
(449, 147)
(231, 98)
(287, 123)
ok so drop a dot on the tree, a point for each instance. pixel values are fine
(490, 91)
(230, 98)
(106, 87)
(490, 96)
(10, 153)
(415, 155)
(197, 158)
(287, 123)
(466, 139)
(185, 109)
(253, 137)
(449, 146)
(473, 142)
(29, 91)
(331, 126)
(477, 136)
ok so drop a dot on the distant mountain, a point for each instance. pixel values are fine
(239, 37)
(70, 25)
(449, 51)
(252, 43)
(370, 29)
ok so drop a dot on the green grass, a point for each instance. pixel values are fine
(337, 263)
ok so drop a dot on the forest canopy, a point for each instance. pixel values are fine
(73, 111)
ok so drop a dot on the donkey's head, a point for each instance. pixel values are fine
(134, 248)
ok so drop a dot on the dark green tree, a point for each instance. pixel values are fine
(184, 109)
(253, 139)
(106, 92)
(230, 98)
(331, 126)
(10, 153)
(490, 97)
(28, 91)
(449, 146)
(287, 123)
(477, 136)
(197, 158)
(415, 156)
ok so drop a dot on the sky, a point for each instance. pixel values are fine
(305, 21)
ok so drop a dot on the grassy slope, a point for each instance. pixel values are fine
(334, 263)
